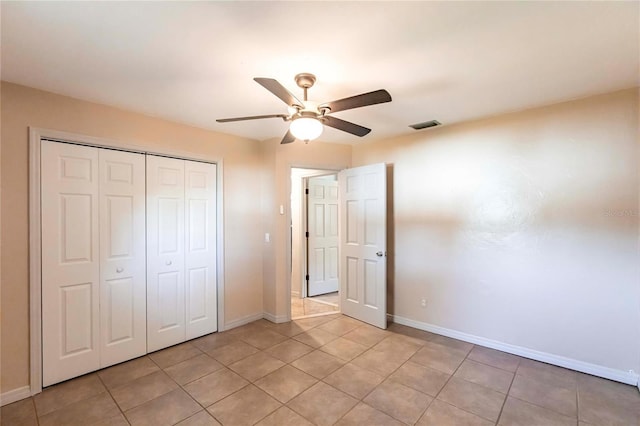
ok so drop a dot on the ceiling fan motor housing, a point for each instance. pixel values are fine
(305, 80)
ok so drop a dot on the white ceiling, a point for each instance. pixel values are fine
(194, 62)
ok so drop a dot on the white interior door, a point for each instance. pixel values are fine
(70, 264)
(200, 246)
(322, 207)
(165, 252)
(363, 211)
(123, 291)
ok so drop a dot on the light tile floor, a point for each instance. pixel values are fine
(323, 304)
(330, 370)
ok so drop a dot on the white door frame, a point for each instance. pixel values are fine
(35, 242)
(326, 170)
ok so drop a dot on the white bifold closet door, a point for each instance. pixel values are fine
(93, 259)
(123, 291)
(181, 251)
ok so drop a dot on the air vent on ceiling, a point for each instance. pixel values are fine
(426, 124)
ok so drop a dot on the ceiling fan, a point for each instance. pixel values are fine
(308, 117)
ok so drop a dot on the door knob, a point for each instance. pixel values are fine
(168, 262)
(118, 270)
(379, 254)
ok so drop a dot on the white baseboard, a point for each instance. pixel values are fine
(628, 377)
(242, 321)
(275, 319)
(14, 395)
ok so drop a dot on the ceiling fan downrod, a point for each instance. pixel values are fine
(305, 80)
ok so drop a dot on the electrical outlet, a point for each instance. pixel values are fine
(423, 302)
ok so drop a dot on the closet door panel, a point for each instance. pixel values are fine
(123, 290)
(165, 252)
(70, 261)
(200, 246)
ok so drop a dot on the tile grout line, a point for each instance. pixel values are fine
(489, 365)
(361, 400)
(292, 409)
(205, 409)
(577, 417)
(385, 378)
(513, 379)
(33, 402)
(450, 376)
(181, 387)
(434, 398)
(192, 398)
(290, 364)
(224, 366)
(162, 369)
(112, 398)
(388, 377)
(578, 399)
(543, 407)
(449, 379)
(322, 380)
(515, 374)
(219, 400)
(252, 382)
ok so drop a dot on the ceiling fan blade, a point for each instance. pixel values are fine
(279, 90)
(252, 117)
(365, 99)
(288, 138)
(345, 126)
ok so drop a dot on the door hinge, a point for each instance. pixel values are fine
(306, 191)
(306, 277)
(306, 234)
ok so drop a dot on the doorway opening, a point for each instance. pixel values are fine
(314, 243)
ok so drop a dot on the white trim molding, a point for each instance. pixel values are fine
(243, 320)
(275, 318)
(35, 263)
(35, 243)
(14, 395)
(628, 377)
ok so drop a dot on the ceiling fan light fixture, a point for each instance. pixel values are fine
(306, 128)
(308, 118)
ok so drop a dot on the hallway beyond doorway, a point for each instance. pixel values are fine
(315, 306)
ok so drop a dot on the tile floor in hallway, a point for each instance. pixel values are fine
(330, 370)
(314, 305)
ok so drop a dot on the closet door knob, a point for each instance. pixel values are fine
(168, 262)
(118, 270)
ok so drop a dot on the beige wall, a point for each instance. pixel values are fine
(523, 228)
(278, 161)
(23, 107)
